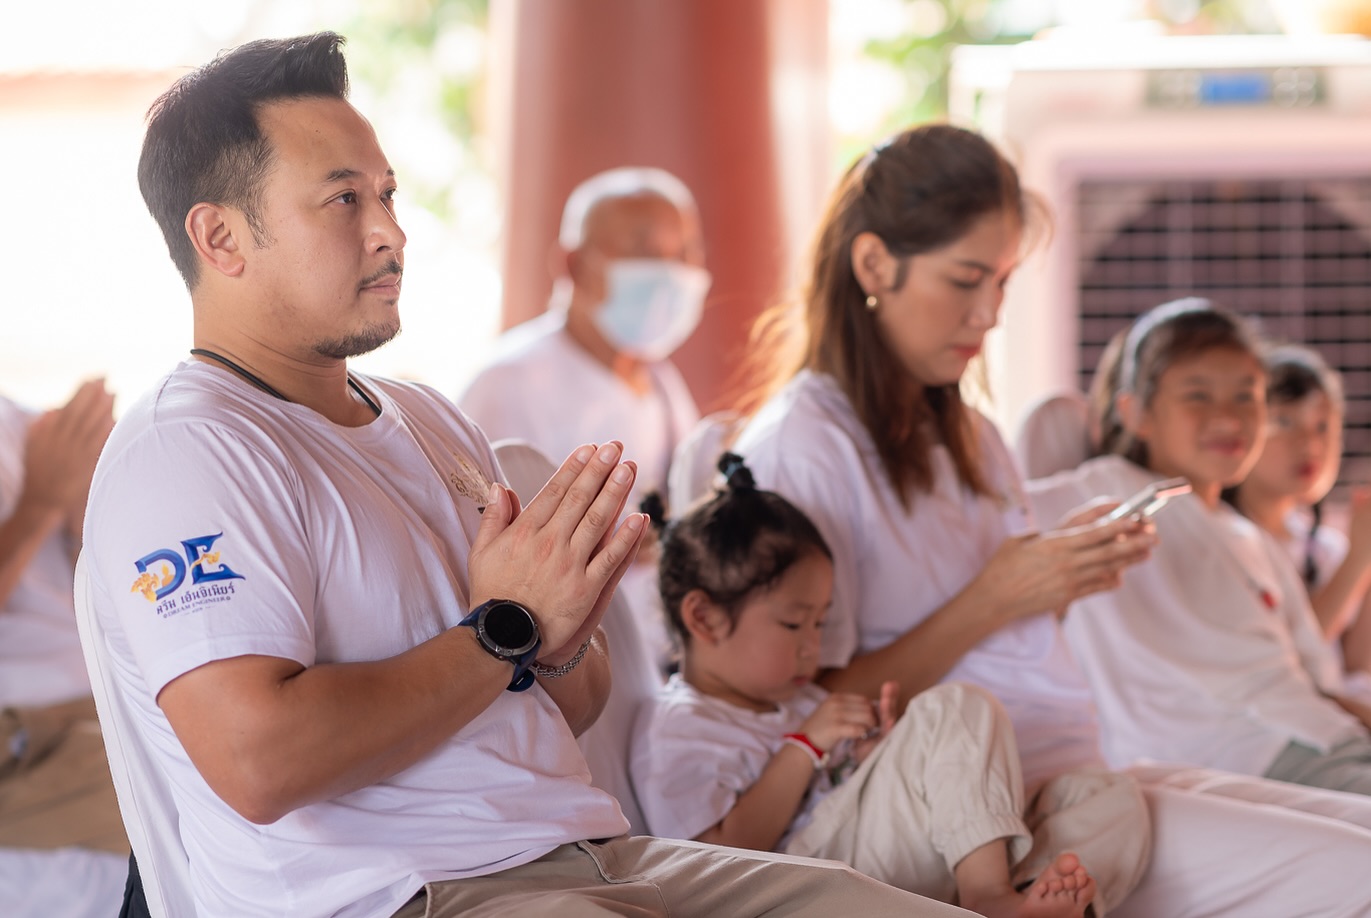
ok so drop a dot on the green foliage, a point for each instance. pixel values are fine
(433, 48)
(924, 59)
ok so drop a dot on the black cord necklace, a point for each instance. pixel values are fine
(266, 387)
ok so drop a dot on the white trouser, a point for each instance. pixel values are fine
(1243, 847)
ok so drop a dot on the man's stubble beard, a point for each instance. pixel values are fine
(363, 342)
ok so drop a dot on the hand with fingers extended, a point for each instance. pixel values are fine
(1042, 572)
(61, 449)
(562, 555)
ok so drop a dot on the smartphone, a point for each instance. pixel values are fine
(1150, 500)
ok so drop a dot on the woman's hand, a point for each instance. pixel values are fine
(1046, 572)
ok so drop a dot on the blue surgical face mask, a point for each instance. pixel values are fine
(652, 305)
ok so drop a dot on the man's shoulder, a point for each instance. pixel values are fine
(421, 403)
(535, 339)
(192, 400)
(530, 366)
(409, 394)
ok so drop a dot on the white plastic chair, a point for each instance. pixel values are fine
(144, 795)
(694, 467)
(606, 744)
(1054, 435)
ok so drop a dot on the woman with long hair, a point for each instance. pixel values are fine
(939, 573)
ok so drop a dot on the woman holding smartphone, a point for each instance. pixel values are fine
(938, 571)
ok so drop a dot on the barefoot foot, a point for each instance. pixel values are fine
(1063, 890)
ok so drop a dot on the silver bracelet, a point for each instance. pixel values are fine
(554, 672)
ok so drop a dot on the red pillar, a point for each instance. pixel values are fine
(714, 91)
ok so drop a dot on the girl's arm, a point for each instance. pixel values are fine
(1356, 640)
(1340, 604)
(1028, 575)
(765, 810)
(1357, 709)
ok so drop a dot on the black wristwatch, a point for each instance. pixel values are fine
(508, 632)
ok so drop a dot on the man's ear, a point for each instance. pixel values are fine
(558, 261)
(704, 620)
(211, 232)
(586, 268)
(872, 264)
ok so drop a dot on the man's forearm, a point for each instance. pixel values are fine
(581, 694)
(270, 736)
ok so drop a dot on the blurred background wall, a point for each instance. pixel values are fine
(491, 110)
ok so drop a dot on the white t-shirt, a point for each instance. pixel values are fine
(694, 755)
(1329, 547)
(40, 653)
(1209, 653)
(895, 567)
(544, 388)
(224, 522)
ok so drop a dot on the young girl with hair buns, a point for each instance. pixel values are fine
(743, 749)
(939, 571)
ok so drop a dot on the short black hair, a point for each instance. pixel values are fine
(731, 545)
(204, 141)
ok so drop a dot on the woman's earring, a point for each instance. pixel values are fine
(872, 303)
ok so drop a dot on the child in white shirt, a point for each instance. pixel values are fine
(1284, 494)
(1208, 653)
(743, 749)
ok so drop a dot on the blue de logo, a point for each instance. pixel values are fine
(197, 557)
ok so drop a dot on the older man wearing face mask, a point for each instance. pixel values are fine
(594, 367)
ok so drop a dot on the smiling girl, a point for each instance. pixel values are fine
(1208, 653)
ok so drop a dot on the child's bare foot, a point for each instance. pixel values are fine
(1062, 890)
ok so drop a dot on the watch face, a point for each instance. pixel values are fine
(510, 626)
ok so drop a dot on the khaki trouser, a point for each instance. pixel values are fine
(59, 792)
(947, 781)
(644, 876)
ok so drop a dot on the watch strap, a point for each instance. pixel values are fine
(523, 677)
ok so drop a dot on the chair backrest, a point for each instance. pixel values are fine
(694, 467)
(1054, 435)
(144, 795)
(606, 744)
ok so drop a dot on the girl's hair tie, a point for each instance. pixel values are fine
(736, 473)
(1137, 335)
(655, 508)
